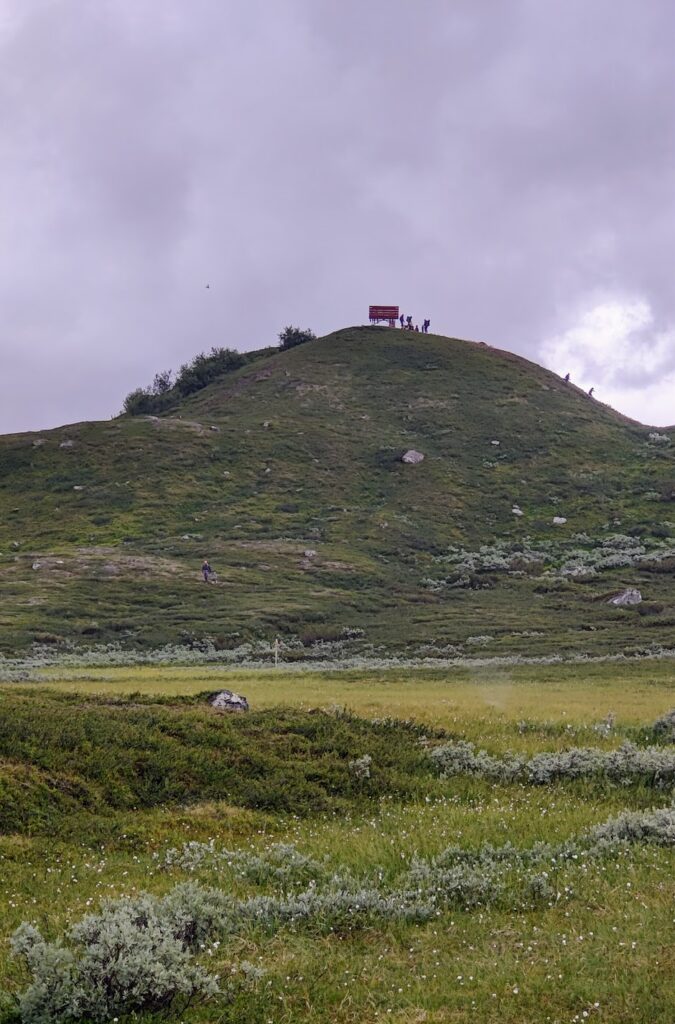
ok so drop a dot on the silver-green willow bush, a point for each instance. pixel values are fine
(139, 953)
(651, 765)
(136, 954)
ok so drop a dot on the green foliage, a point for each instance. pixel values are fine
(201, 371)
(140, 402)
(292, 336)
(300, 450)
(204, 369)
(137, 953)
(494, 894)
(117, 756)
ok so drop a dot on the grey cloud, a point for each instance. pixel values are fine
(494, 166)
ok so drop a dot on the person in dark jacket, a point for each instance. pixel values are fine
(206, 570)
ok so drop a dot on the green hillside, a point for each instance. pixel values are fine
(287, 475)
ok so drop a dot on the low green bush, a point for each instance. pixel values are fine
(117, 754)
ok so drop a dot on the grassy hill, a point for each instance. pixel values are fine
(287, 475)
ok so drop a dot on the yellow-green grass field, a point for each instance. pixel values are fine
(598, 946)
(481, 703)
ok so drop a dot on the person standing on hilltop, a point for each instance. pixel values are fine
(402, 319)
(206, 570)
(425, 326)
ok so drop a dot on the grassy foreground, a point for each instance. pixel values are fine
(122, 765)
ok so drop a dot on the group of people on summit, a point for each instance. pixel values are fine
(407, 324)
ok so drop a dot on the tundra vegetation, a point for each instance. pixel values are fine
(485, 841)
(532, 506)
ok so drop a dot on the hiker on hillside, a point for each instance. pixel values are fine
(567, 378)
(417, 328)
(425, 326)
(207, 571)
(408, 321)
(590, 393)
(402, 319)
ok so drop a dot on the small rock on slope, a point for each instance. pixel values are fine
(412, 457)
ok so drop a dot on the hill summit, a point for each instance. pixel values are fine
(531, 503)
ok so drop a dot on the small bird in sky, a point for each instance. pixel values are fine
(208, 286)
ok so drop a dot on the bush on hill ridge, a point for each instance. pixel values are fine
(202, 370)
(191, 377)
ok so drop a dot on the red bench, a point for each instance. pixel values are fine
(389, 313)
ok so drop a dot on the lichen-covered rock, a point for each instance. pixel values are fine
(411, 458)
(227, 700)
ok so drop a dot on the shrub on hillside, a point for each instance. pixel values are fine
(281, 760)
(191, 377)
(140, 402)
(204, 369)
(135, 955)
(292, 336)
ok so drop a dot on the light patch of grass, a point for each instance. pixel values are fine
(476, 702)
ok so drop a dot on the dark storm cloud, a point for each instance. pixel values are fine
(505, 168)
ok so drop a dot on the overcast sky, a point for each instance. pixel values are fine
(505, 167)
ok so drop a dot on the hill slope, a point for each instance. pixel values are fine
(103, 525)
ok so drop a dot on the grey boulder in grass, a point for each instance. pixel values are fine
(227, 700)
(412, 457)
(629, 596)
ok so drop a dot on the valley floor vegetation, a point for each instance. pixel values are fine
(489, 843)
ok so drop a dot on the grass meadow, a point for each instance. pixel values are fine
(326, 787)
